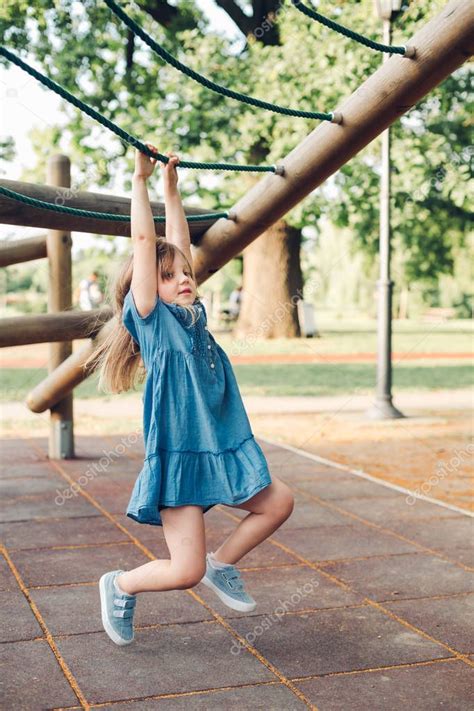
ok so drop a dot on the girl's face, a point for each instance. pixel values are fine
(177, 284)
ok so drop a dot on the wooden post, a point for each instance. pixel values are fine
(58, 243)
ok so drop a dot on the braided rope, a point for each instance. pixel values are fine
(244, 98)
(127, 137)
(309, 12)
(34, 202)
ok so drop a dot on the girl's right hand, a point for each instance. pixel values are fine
(144, 165)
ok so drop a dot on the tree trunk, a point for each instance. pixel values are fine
(272, 283)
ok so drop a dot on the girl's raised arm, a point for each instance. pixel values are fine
(177, 228)
(144, 284)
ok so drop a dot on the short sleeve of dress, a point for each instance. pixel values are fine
(143, 329)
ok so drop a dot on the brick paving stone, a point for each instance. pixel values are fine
(165, 660)
(28, 486)
(263, 696)
(307, 513)
(321, 543)
(304, 470)
(341, 487)
(405, 576)
(450, 619)
(439, 534)
(7, 580)
(75, 609)
(79, 565)
(443, 686)
(30, 470)
(281, 590)
(44, 506)
(384, 509)
(338, 640)
(32, 678)
(460, 555)
(60, 532)
(17, 619)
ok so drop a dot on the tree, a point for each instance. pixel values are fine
(288, 60)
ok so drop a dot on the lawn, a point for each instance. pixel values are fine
(284, 379)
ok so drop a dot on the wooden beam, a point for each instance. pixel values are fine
(22, 250)
(442, 45)
(13, 212)
(66, 376)
(51, 328)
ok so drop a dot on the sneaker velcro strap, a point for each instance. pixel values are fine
(120, 602)
(122, 613)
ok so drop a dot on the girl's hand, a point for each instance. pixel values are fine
(144, 165)
(169, 172)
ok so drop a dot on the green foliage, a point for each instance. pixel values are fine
(83, 46)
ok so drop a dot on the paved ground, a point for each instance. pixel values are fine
(363, 599)
(429, 451)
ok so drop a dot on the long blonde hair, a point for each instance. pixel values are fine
(118, 357)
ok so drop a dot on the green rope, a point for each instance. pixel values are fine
(34, 202)
(309, 12)
(164, 54)
(46, 81)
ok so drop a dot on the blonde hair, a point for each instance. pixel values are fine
(118, 358)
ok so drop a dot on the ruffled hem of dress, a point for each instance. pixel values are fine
(148, 514)
(203, 479)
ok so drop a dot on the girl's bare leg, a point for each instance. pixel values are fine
(183, 528)
(268, 510)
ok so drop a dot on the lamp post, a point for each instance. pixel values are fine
(383, 408)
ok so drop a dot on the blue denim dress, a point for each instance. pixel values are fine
(199, 446)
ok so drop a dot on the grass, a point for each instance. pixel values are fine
(361, 337)
(284, 379)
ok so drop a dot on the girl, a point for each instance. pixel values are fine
(199, 448)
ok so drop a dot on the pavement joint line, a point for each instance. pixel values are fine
(70, 678)
(388, 667)
(356, 559)
(446, 596)
(252, 650)
(363, 475)
(179, 694)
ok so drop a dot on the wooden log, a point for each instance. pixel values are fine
(58, 245)
(51, 328)
(67, 375)
(13, 212)
(442, 46)
(22, 250)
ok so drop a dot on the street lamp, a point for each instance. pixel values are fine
(383, 408)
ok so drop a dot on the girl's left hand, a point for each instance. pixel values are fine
(169, 172)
